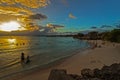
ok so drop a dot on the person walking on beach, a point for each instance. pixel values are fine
(22, 57)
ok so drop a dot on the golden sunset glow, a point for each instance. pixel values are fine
(10, 26)
(11, 40)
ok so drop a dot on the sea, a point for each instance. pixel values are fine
(42, 51)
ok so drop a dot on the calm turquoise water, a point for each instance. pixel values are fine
(42, 51)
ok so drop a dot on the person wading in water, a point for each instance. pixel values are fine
(22, 57)
(27, 60)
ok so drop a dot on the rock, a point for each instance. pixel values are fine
(87, 73)
(76, 77)
(111, 72)
(56, 74)
(114, 68)
(95, 79)
(97, 73)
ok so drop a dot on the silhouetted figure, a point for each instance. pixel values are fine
(27, 59)
(22, 57)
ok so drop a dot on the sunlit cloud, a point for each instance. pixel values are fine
(72, 16)
(21, 11)
(26, 3)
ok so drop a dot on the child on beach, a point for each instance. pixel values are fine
(23, 58)
(27, 60)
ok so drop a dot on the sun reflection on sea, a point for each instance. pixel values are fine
(12, 41)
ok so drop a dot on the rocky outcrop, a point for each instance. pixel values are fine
(111, 72)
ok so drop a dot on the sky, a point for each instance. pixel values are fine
(60, 15)
(87, 13)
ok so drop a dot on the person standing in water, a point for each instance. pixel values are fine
(27, 60)
(22, 57)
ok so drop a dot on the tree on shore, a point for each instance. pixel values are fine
(113, 36)
(93, 35)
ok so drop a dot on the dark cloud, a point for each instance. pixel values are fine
(57, 26)
(47, 30)
(38, 16)
(54, 26)
(50, 28)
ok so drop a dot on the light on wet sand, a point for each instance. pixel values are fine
(10, 26)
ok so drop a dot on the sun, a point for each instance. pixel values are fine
(10, 26)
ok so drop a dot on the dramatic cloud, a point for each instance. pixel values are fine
(38, 16)
(21, 11)
(50, 28)
(26, 3)
(15, 10)
(20, 7)
(72, 16)
(7, 18)
(54, 26)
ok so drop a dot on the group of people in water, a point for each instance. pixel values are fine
(23, 60)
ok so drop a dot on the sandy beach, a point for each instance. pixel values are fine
(107, 54)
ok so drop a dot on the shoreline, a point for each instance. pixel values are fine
(90, 58)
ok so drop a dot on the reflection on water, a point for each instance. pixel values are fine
(9, 43)
(12, 41)
(42, 50)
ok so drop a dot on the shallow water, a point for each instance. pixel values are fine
(42, 51)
